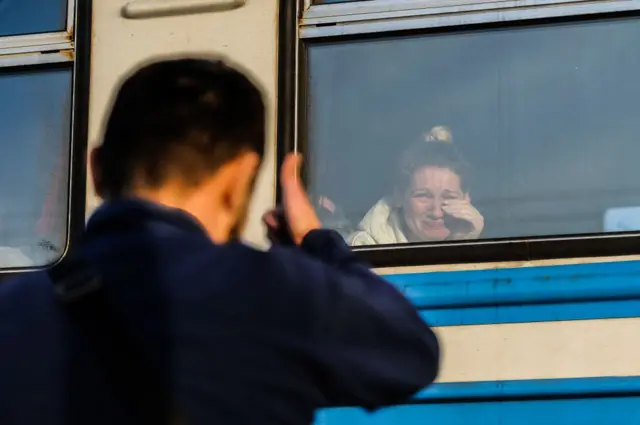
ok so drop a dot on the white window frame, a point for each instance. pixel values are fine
(41, 48)
(374, 16)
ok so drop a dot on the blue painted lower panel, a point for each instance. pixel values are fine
(603, 411)
(583, 401)
(525, 285)
(529, 294)
(618, 309)
(533, 388)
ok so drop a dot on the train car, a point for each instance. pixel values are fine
(536, 302)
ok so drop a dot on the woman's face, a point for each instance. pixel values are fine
(430, 186)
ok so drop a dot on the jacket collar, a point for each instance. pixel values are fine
(129, 213)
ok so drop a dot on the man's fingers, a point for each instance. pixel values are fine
(298, 209)
(293, 192)
(289, 173)
(270, 219)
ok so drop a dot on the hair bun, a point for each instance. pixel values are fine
(439, 133)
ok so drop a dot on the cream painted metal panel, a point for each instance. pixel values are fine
(246, 35)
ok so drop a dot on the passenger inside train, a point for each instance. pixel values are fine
(430, 199)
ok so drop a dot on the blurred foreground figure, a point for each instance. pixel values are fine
(172, 319)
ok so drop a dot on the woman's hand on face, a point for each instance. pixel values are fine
(462, 210)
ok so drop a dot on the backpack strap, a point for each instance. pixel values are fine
(80, 290)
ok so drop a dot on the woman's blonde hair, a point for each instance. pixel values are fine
(439, 151)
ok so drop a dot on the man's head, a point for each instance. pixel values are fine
(187, 133)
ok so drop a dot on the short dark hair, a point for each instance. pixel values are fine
(435, 153)
(182, 117)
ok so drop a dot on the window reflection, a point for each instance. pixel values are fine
(35, 117)
(541, 133)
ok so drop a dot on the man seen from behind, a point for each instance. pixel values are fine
(232, 335)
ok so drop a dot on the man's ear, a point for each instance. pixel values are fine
(248, 169)
(96, 170)
(240, 175)
(467, 197)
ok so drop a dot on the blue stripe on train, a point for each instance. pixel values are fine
(530, 294)
(583, 401)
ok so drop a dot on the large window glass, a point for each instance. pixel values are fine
(474, 134)
(34, 167)
(37, 80)
(32, 16)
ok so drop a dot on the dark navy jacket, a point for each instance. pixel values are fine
(243, 336)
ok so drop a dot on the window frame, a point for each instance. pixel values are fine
(392, 15)
(70, 48)
(302, 24)
(46, 41)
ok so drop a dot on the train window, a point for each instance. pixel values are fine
(35, 120)
(475, 143)
(335, 1)
(43, 121)
(20, 16)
